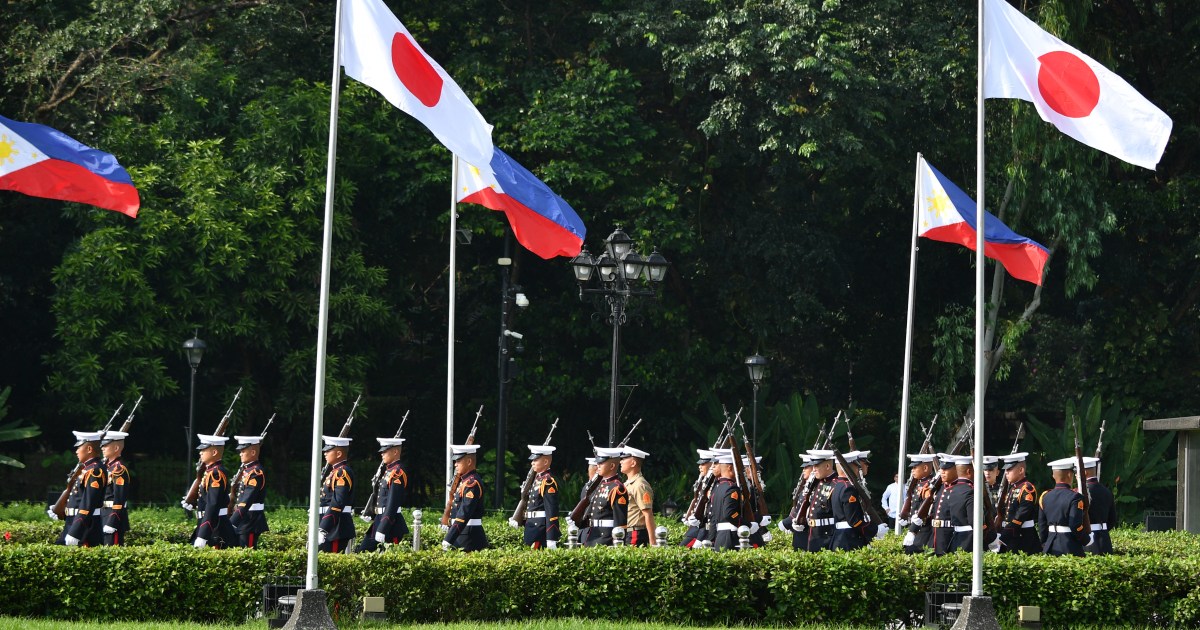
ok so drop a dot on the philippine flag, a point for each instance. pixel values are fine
(540, 219)
(945, 213)
(1070, 90)
(44, 162)
(378, 51)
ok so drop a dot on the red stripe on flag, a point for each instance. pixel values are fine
(55, 179)
(534, 231)
(1023, 261)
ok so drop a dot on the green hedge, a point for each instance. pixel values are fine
(873, 586)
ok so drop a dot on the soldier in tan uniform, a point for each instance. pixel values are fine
(641, 499)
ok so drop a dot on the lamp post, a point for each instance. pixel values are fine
(756, 365)
(510, 295)
(616, 276)
(194, 348)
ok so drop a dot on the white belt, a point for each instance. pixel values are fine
(70, 512)
(820, 522)
(1099, 527)
(1024, 525)
(537, 514)
(475, 522)
(726, 527)
(346, 510)
(842, 525)
(257, 507)
(120, 506)
(940, 522)
(384, 510)
(962, 528)
(1060, 529)
(223, 512)
(604, 523)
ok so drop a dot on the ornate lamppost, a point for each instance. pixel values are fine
(756, 364)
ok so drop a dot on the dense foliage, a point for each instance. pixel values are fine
(765, 147)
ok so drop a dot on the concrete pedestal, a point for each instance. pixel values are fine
(311, 612)
(1187, 489)
(977, 614)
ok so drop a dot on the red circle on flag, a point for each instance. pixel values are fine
(1068, 84)
(415, 71)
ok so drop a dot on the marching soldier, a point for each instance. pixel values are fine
(541, 505)
(609, 505)
(725, 503)
(337, 497)
(1017, 527)
(788, 524)
(943, 531)
(1102, 510)
(992, 474)
(81, 527)
(760, 532)
(249, 520)
(465, 531)
(919, 532)
(696, 532)
(212, 504)
(641, 499)
(387, 523)
(592, 464)
(850, 522)
(819, 525)
(115, 513)
(1061, 522)
(961, 503)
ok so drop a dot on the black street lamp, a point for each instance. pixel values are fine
(194, 348)
(756, 364)
(510, 295)
(618, 274)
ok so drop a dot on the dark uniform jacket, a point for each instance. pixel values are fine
(697, 534)
(83, 505)
(393, 494)
(466, 528)
(961, 509)
(1018, 532)
(248, 515)
(819, 526)
(850, 524)
(943, 532)
(609, 508)
(212, 508)
(541, 510)
(115, 513)
(922, 533)
(337, 505)
(1061, 521)
(725, 514)
(799, 539)
(1103, 511)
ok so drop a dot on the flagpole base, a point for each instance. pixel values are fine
(977, 614)
(310, 613)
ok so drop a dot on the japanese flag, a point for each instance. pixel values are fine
(378, 51)
(1069, 89)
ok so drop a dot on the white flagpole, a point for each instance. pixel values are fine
(901, 478)
(979, 481)
(450, 327)
(314, 487)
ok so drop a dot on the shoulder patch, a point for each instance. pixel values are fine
(852, 499)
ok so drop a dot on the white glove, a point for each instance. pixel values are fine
(366, 518)
(109, 529)
(379, 537)
(72, 541)
(200, 543)
(692, 521)
(51, 514)
(797, 526)
(766, 520)
(753, 528)
(767, 536)
(881, 531)
(446, 546)
(916, 520)
(995, 546)
(321, 536)
(187, 506)
(1091, 539)
(552, 544)
(909, 539)
(903, 522)
(444, 528)
(512, 522)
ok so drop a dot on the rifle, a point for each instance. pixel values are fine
(519, 512)
(368, 509)
(235, 488)
(872, 515)
(1002, 499)
(1082, 481)
(926, 446)
(798, 491)
(757, 493)
(60, 506)
(580, 509)
(1099, 446)
(745, 507)
(862, 481)
(704, 482)
(936, 484)
(194, 490)
(806, 499)
(343, 433)
(457, 477)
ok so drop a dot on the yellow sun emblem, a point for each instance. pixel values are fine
(938, 204)
(7, 149)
